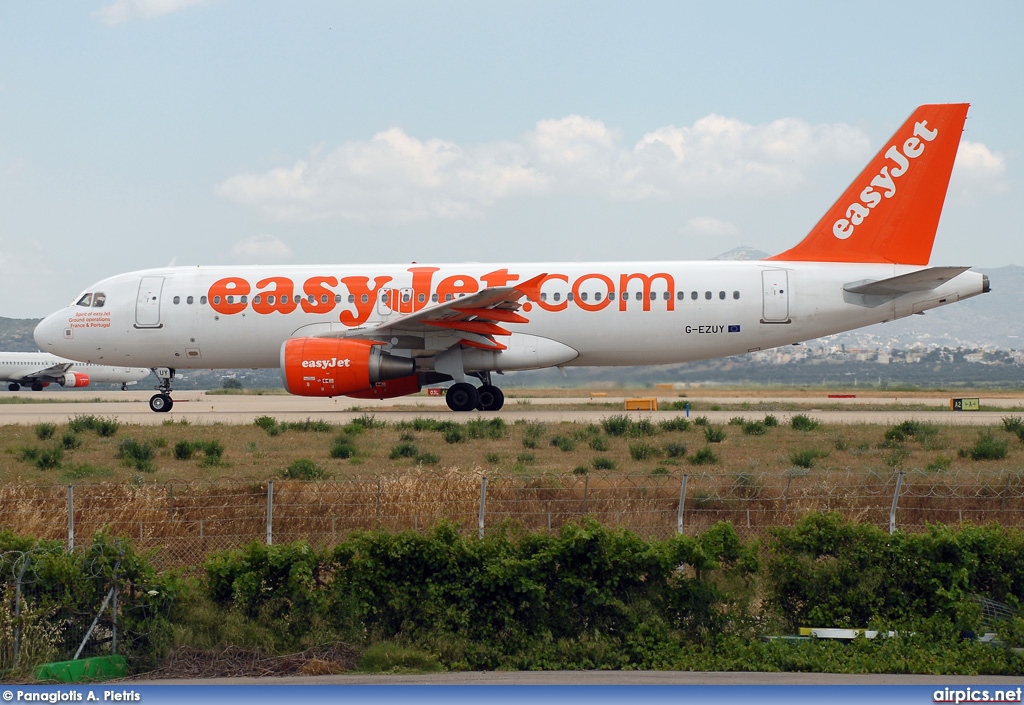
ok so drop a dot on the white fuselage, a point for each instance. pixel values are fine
(606, 313)
(24, 368)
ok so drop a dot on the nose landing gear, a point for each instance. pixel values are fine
(161, 402)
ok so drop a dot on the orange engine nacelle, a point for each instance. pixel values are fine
(330, 367)
(75, 379)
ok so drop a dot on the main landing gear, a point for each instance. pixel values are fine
(463, 396)
(161, 402)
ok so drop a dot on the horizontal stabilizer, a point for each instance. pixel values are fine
(921, 280)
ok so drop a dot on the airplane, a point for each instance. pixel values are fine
(38, 370)
(382, 331)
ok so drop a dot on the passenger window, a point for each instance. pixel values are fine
(243, 299)
(736, 295)
(707, 295)
(284, 298)
(256, 299)
(364, 298)
(693, 295)
(557, 296)
(216, 299)
(177, 300)
(721, 295)
(583, 296)
(433, 297)
(324, 298)
(189, 300)
(666, 296)
(569, 296)
(543, 297)
(680, 295)
(270, 299)
(202, 300)
(447, 297)
(230, 299)
(422, 298)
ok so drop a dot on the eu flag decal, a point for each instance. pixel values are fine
(734, 329)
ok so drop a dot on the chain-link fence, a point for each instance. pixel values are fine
(187, 521)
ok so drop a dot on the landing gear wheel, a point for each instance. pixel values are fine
(37, 387)
(14, 386)
(462, 397)
(160, 403)
(491, 398)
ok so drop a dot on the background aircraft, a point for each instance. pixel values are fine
(378, 331)
(38, 370)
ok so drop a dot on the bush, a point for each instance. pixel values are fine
(643, 451)
(677, 424)
(403, 450)
(343, 447)
(136, 454)
(704, 456)
(599, 444)
(617, 425)
(563, 443)
(603, 463)
(987, 447)
(303, 469)
(805, 458)
(45, 431)
(714, 434)
(754, 428)
(675, 450)
(801, 422)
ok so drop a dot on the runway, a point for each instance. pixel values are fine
(199, 407)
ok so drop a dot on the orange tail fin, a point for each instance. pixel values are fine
(891, 211)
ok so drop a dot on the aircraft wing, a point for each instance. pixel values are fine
(478, 318)
(51, 373)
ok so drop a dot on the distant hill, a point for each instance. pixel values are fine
(16, 334)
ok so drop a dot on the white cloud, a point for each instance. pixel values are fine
(260, 249)
(395, 177)
(121, 11)
(706, 226)
(978, 171)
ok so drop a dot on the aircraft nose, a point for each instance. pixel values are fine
(50, 332)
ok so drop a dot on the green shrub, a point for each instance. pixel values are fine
(453, 434)
(427, 459)
(343, 447)
(183, 450)
(679, 423)
(303, 469)
(987, 447)
(70, 440)
(806, 457)
(563, 443)
(617, 425)
(643, 451)
(403, 450)
(675, 450)
(136, 454)
(45, 431)
(770, 421)
(599, 444)
(754, 428)
(801, 422)
(714, 434)
(603, 463)
(704, 456)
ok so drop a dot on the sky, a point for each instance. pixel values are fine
(137, 133)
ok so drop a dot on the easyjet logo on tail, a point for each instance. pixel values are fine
(885, 180)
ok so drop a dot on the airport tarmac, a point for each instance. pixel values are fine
(198, 407)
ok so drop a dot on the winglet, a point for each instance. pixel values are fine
(531, 287)
(891, 211)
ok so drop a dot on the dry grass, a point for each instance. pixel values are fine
(190, 507)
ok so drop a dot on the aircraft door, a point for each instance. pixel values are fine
(147, 305)
(395, 301)
(776, 296)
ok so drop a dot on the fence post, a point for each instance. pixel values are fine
(586, 486)
(270, 512)
(483, 501)
(17, 608)
(170, 511)
(895, 501)
(378, 500)
(681, 514)
(71, 518)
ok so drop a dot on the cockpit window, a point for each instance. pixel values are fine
(86, 300)
(99, 299)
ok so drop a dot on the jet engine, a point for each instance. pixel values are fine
(74, 379)
(330, 367)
